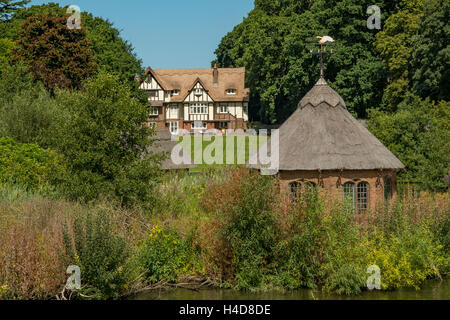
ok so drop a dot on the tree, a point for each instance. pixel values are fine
(28, 165)
(104, 142)
(419, 135)
(394, 44)
(59, 56)
(27, 111)
(112, 53)
(8, 7)
(273, 44)
(5, 53)
(431, 52)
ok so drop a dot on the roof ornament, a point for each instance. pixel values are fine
(324, 41)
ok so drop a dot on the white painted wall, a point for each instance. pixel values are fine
(151, 84)
(204, 97)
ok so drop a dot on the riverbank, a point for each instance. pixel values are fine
(431, 290)
(227, 228)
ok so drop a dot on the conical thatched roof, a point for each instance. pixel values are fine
(322, 134)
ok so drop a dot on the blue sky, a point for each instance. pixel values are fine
(169, 33)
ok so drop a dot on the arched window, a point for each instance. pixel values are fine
(308, 191)
(349, 194)
(387, 188)
(296, 189)
(362, 196)
(310, 186)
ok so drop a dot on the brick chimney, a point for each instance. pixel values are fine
(215, 76)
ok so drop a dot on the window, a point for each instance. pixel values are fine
(154, 111)
(387, 188)
(296, 189)
(175, 92)
(198, 125)
(152, 125)
(362, 193)
(198, 92)
(198, 108)
(174, 127)
(349, 194)
(153, 93)
(310, 189)
(223, 125)
(223, 108)
(173, 111)
(245, 109)
(231, 92)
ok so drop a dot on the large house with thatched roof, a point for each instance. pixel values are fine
(322, 145)
(197, 99)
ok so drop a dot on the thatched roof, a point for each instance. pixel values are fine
(185, 79)
(322, 134)
(163, 144)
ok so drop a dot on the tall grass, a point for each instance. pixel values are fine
(229, 225)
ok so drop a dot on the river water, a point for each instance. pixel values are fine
(431, 290)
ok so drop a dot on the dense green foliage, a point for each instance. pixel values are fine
(28, 165)
(5, 52)
(370, 69)
(27, 111)
(272, 242)
(129, 226)
(98, 132)
(100, 254)
(431, 54)
(112, 53)
(56, 55)
(273, 44)
(164, 255)
(109, 50)
(394, 43)
(104, 142)
(250, 230)
(419, 134)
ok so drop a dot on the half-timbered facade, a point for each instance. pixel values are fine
(197, 99)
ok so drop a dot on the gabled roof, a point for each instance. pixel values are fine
(198, 80)
(183, 79)
(322, 134)
(155, 76)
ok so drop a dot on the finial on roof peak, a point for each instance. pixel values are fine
(324, 41)
(321, 82)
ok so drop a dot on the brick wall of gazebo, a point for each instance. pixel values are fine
(328, 182)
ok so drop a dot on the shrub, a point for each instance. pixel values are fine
(28, 165)
(243, 204)
(100, 253)
(164, 255)
(28, 114)
(30, 245)
(405, 261)
(105, 144)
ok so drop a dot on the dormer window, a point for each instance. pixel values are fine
(198, 92)
(175, 92)
(231, 92)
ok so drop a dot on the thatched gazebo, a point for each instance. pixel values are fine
(323, 145)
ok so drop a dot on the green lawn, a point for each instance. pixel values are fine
(238, 149)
